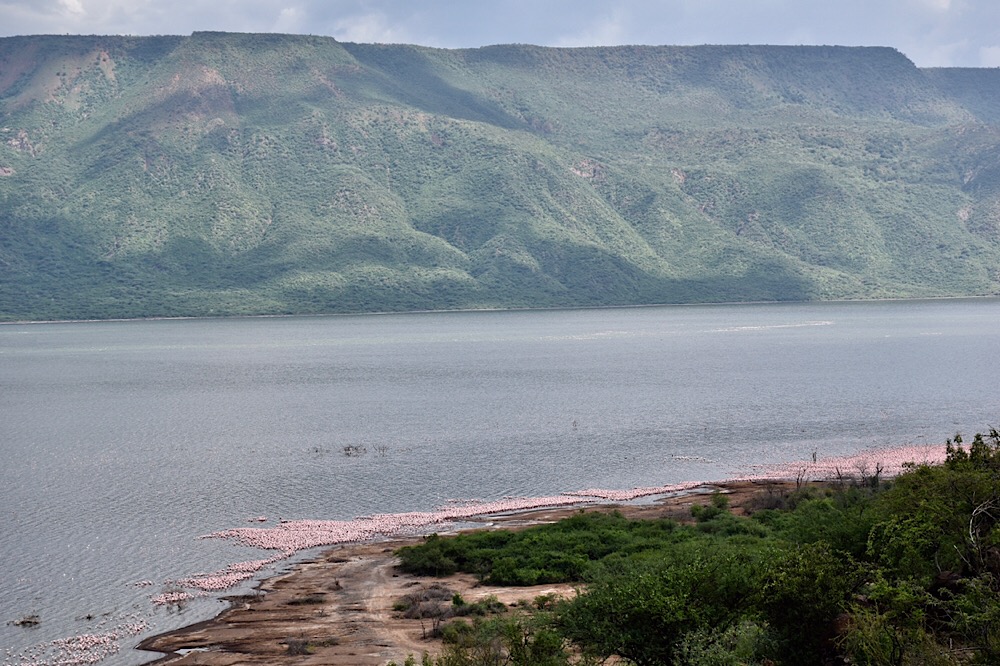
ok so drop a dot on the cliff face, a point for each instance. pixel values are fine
(230, 174)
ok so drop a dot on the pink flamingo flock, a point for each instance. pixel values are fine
(293, 536)
(83, 649)
(884, 462)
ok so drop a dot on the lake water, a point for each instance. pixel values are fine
(122, 442)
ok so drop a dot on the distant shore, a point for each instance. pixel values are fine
(555, 308)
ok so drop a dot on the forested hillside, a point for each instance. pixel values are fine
(243, 174)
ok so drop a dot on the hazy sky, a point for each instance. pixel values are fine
(931, 32)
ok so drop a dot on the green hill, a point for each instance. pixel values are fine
(241, 174)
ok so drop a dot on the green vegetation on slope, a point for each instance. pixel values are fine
(904, 573)
(237, 174)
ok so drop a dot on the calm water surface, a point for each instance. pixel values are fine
(122, 442)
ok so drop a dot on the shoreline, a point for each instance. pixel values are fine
(290, 537)
(554, 308)
(355, 585)
(360, 550)
(352, 584)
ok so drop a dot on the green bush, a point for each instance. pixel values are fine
(517, 641)
(746, 643)
(557, 553)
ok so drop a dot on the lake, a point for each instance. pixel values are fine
(122, 442)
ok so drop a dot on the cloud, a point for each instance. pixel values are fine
(939, 55)
(930, 32)
(290, 19)
(989, 56)
(25, 17)
(607, 30)
(72, 7)
(368, 28)
(937, 5)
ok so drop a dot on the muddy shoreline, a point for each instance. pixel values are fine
(340, 603)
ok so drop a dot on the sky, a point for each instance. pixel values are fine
(932, 33)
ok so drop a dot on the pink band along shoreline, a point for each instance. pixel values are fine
(293, 536)
(290, 537)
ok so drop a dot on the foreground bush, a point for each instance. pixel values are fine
(646, 608)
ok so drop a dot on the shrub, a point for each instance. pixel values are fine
(643, 608)
(746, 643)
(556, 553)
(297, 646)
(517, 641)
(314, 598)
(873, 639)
